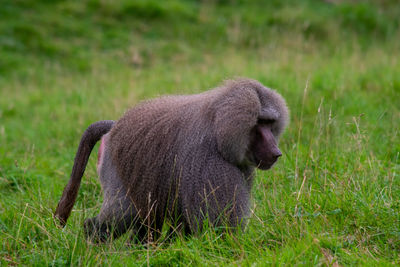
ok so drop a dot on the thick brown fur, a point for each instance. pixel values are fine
(186, 159)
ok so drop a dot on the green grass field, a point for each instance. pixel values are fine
(334, 196)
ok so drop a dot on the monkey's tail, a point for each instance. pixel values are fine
(89, 138)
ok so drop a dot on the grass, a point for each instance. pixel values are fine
(333, 198)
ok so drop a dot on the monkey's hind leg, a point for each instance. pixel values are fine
(111, 226)
(117, 214)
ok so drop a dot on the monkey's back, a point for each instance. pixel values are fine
(151, 143)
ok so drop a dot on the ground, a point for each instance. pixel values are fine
(334, 196)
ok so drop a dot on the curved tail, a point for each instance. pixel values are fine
(89, 138)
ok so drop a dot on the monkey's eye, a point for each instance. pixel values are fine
(265, 121)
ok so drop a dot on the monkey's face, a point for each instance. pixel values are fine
(263, 151)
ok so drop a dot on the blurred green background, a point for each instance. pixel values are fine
(333, 198)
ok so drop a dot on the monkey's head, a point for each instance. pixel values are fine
(249, 120)
(263, 150)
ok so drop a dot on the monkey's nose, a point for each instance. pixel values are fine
(277, 154)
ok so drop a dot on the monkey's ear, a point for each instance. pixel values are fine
(236, 113)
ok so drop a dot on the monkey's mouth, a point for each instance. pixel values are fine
(262, 164)
(265, 164)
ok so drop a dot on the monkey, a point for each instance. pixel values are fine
(186, 160)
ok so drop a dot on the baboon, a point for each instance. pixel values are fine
(187, 160)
